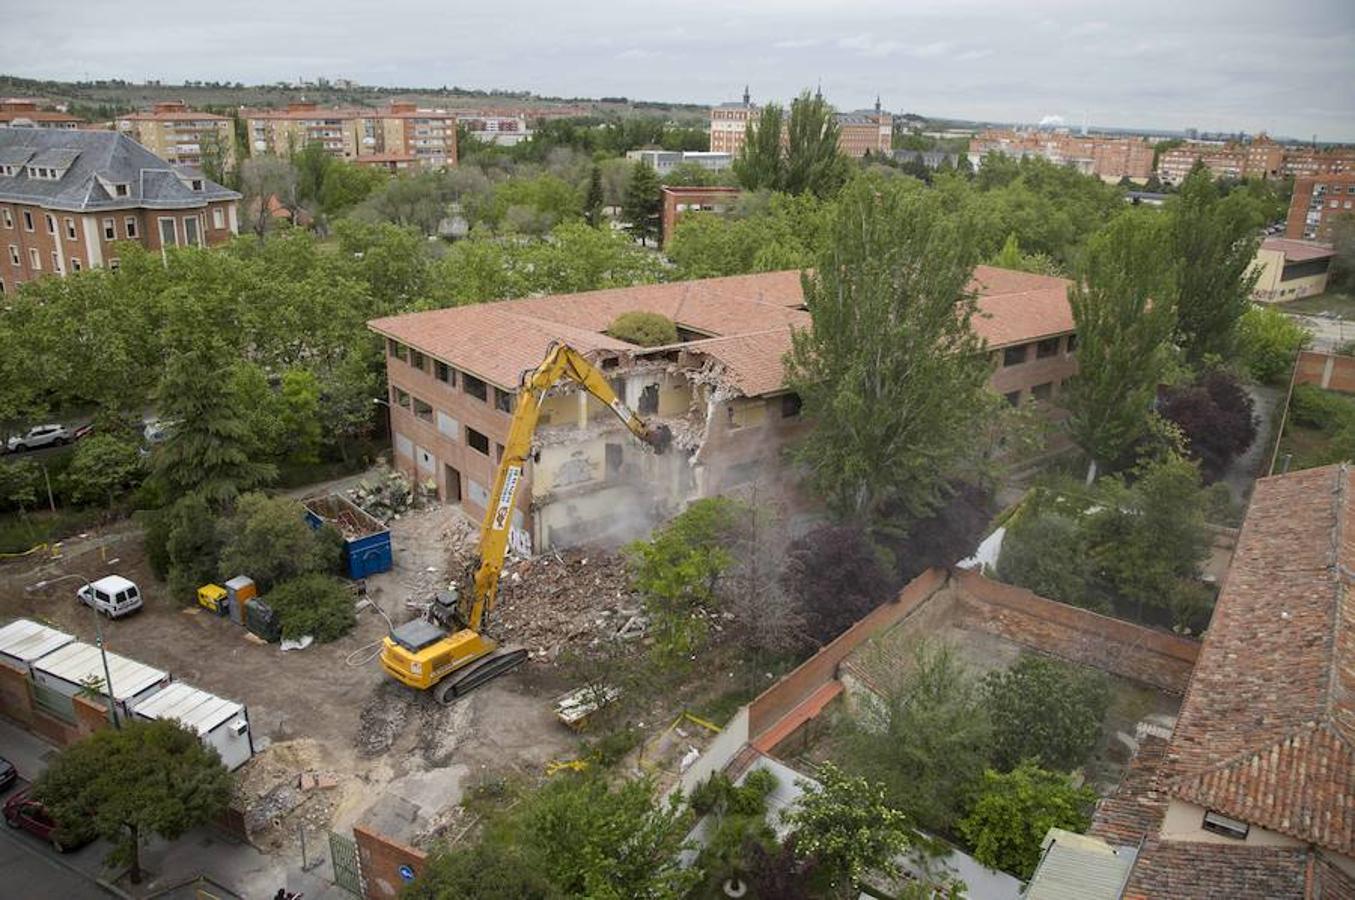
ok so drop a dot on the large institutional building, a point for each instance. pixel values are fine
(67, 197)
(866, 131)
(401, 131)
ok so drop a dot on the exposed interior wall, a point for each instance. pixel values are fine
(1326, 370)
(381, 859)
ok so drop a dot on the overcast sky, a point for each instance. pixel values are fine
(1285, 67)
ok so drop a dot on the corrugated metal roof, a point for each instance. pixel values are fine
(77, 662)
(196, 709)
(1077, 867)
(26, 640)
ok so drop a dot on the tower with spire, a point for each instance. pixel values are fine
(747, 97)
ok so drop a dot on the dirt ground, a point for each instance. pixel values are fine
(327, 709)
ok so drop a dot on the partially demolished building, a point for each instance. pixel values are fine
(453, 374)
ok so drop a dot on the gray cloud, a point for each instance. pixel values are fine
(1212, 64)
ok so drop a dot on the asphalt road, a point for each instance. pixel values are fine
(31, 872)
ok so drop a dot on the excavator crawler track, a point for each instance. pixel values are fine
(458, 684)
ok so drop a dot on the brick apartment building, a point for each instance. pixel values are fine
(1259, 158)
(677, 201)
(21, 112)
(861, 132)
(178, 134)
(1317, 199)
(453, 376)
(399, 130)
(67, 197)
(1110, 158)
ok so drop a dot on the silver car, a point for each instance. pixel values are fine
(39, 436)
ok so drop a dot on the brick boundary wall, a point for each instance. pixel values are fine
(381, 859)
(1326, 370)
(16, 703)
(777, 701)
(1158, 658)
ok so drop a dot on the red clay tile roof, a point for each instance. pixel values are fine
(1136, 808)
(748, 316)
(1267, 730)
(1298, 251)
(1188, 870)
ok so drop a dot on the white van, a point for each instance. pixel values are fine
(113, 596)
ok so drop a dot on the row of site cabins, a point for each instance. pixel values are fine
(449, 427)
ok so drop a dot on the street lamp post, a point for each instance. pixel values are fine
(98, 638)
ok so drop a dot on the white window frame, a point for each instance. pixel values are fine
(51, 223)
(56, 263)
(34, 259)
(75, 264)
(218, 218)
(110, 228)
(28, 220)
(9, 217)
(129, 225)
(196, 240)
(14, 257)
(174, 227)
(71, 233)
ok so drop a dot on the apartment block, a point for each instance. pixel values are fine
(861, 132)
(1110, 158)
(21, 112)
(678, 201)
(1316, 201)
(500, 130)
(349, 133)
(665, 161)
(1259, 158)
(453, 376)
(68, 197)
(180, 135)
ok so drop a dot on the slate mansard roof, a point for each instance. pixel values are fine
(91, 161)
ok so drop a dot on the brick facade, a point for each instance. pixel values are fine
(1326, 370)
(1036, 370)
(381, 859)
(1316, 201)
(679, 200)
(17, 703)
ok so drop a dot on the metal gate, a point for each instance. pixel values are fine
(347, 871)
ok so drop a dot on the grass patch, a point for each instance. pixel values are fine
(1340, 306)
(22, 532)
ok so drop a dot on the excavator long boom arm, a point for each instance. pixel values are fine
(561, 362)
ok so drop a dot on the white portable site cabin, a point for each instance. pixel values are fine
(24, 641)
(223, 724)
(63, 673)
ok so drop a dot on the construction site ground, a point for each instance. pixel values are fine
(343, 743)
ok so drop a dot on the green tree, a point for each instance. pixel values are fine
(300, 396)
(891, 373)
(926, 737)
(814, 164)
(312, 163)
(1045, 552)
(677, 571)
(594, 201)
(765, 233)
(646, 329)
(1343, 243)
(760, 164)
(1123, 315)
(207, 450)
(643, 206)
(268, 539)
(575, 836)
(1045, 710)
(192, 546)
(314, 604)
(845, 823)
(345, 185)
(19, 483)
(102, 465)
(1268, 342)
(1213, 240)
(483, 872)
(1147, 541)
(147, 778)
(1015, 810)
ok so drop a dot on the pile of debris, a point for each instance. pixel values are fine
(385, 495)
(285, 787)
(578, 598)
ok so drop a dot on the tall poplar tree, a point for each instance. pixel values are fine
(760, 165)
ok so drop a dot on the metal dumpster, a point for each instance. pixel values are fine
(366, 542)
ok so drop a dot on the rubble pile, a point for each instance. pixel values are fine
(577, 598)
(285, 787)
(384, 496)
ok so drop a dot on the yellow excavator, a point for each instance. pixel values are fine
(447, 650)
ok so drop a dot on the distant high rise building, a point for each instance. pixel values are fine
(178, 134)
(400, 129)
(1318, 199)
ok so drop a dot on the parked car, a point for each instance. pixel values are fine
(22, 811)
(111, 595)
(39, 436)
(8, 774)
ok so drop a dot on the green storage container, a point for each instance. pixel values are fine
(261, 620)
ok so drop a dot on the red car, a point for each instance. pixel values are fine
(23, 812)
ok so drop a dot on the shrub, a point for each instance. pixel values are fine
(1015, 810)
(836, 575)
(268, 539)
(646, 329)
(1045, 552)
(1267, 342)
(316, 605)
(1045, 710)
